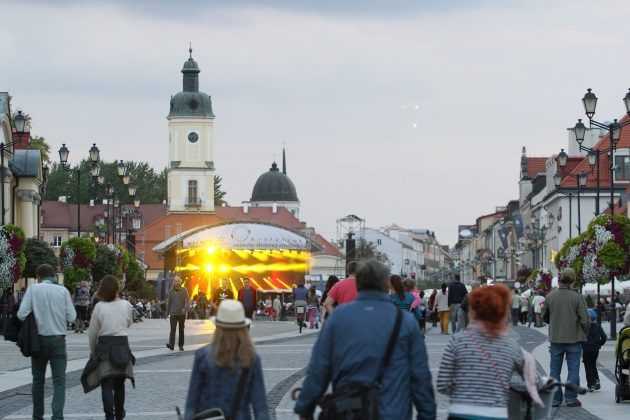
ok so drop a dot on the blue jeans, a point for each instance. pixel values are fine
(573, 353)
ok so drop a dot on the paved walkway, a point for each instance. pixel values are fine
(162, 375)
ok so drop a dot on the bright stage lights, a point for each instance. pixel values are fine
(211, 249)
(209, 268)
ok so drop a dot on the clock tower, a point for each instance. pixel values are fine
(190, 171)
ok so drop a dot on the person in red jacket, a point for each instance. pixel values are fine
(247, 296)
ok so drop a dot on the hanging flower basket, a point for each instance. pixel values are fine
(12, 258)
(601, 252)
(77, 257)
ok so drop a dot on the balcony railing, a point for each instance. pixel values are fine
(192, 202)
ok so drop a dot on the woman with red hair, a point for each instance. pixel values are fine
(478, 363)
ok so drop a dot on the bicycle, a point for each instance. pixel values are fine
(299, 316)
(521, 406)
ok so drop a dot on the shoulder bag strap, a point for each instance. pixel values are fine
(494, 368)
(240, 390)
(390, 346)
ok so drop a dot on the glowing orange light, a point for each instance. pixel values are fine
(209, 268)
(224, 268)
(211, 249)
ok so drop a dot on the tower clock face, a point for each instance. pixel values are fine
(193, 137)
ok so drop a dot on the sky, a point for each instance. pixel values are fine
(406, 112)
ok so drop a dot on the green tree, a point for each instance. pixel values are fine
(37, 252)
(218, 192)
(134, 276)
(39, 143)
(366, 250)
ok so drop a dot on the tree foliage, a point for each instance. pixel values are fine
(151, 185)
(39, 143)
(218, 192)
(106, 263)
(366, 250)
(38, 252)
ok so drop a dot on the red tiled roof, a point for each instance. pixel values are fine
(329, 249)
(56, 214)
(536, 165)
(604, 161)
(167, 226)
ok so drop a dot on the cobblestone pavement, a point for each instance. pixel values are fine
(162, 376)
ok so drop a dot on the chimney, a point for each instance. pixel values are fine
(245, 207)
(91, 203)
(62, 199)
(274, 208)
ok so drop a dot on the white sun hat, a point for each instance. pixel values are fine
(231, 315)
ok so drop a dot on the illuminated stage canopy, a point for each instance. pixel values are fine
(246, 236)
(271, 256)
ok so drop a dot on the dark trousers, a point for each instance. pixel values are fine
(53, 350)
(113, 395)
(249, 312)
(175, 319)
(589, 358)
(516, 314)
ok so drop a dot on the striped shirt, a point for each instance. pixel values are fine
(470, 379)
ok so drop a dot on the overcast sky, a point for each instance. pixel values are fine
(399, 111)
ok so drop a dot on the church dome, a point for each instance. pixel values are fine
(274, 186)
(190, 102)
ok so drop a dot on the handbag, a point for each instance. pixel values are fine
(359, 400)
(217, 413)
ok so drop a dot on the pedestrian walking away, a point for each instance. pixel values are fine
(111, 361)
(441, 302)
(595, 339)
(52, 307)
(332, 280)
(343, 291)
(352, 349)
(566, 313)
(227, 375)
(477, 364)
(516, 307)
(464, 308)
(177, 307)
(456, 293)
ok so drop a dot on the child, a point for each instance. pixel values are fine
(595, 339)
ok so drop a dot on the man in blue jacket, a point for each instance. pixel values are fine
(352, 345)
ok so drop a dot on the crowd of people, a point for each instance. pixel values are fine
(373, 326)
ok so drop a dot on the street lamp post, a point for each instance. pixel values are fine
(20, 127)
(94, 159)
(614, 133)
(537, 235)
(581, 180)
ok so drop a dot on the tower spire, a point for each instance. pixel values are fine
(190, 49)
(284, 159)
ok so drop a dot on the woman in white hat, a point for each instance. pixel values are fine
(227, 374)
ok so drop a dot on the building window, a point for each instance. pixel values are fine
(622, 168)
(136, 224)
(379, 242)
(192, 193)
(56, 242)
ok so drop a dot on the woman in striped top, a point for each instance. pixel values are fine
(478, 363)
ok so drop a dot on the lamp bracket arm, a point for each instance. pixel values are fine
(598, 124)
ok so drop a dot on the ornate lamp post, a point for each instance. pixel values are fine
(94, 159)
(614, 133)
(20, 128)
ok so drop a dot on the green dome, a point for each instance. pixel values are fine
(274, 186)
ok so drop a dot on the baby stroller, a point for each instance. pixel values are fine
(622, 365)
